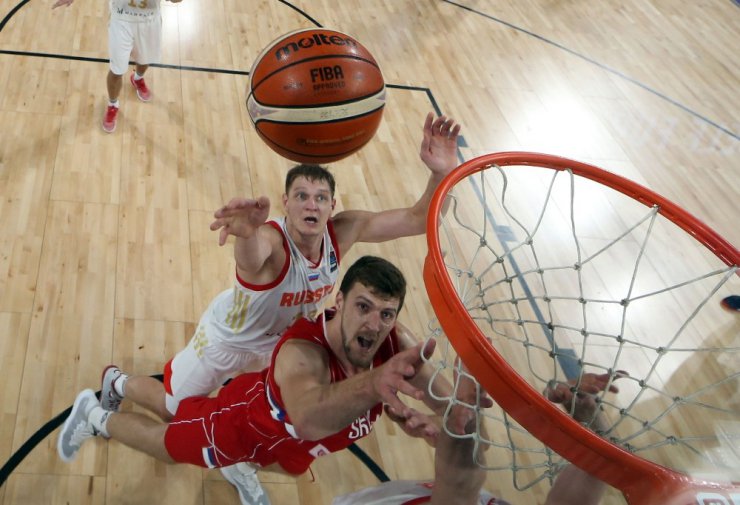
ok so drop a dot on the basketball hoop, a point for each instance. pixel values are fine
(544, 268)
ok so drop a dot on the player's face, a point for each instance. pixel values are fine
(366, 321)
(308, 205)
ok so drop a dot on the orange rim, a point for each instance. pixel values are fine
(641, 481)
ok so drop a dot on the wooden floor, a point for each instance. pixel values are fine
(105, 251)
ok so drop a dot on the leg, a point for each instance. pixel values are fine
(120, 44)
(114, 84)
(139, 432)
(141, 69)
(148, 50)
(88, 419)
(149, 393)
(142, 390)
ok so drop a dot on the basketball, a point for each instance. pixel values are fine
(315, 95)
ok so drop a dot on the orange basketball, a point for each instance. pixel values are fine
(315, 95)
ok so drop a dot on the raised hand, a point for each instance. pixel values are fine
(585, 396)
(393, 377)
(439, 145)
(416, 424)
(240, 217)
(469, 396)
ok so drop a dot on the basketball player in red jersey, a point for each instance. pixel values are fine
(285, 269)
(458, 479)
(324, 390)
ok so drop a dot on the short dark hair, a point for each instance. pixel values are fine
(381, 276)
(312, 173)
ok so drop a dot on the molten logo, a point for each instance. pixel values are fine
(317, 39)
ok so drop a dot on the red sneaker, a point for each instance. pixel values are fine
(109, 120)
(141, 90)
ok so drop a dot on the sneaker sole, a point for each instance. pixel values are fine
(65, 427)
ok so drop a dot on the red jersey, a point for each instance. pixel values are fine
(247, 420)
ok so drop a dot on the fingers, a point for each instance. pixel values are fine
(428, 348)
(428, 122)
(238, 205)
(441, 127)
(590, 384)
(445, 127)
(392, 378)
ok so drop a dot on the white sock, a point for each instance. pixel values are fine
(99, 419)
(137, 77)
(119, 384)
(113, 103)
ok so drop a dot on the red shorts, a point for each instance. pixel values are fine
(215, 432)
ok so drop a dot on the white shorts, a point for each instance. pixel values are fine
(141, 41)
(203, 366)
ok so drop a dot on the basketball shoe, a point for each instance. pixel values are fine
(77, 428)
(110, 118)
(141, 90)
(244, 478)
(109, 398)
(731, 303)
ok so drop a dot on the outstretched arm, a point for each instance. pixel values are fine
(258, 248)
(439, 154)
(573, 485)
(319, 408)
(458, 478)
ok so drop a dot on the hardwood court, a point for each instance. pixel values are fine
(105, 251)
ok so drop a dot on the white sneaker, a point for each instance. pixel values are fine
(109, 399)
(244, 478)
(77, 428)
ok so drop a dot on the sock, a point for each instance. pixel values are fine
(113, 103)
(119, 385)
(99, 420)
(137, 77)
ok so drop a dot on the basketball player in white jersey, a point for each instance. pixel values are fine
(458, 479)
(285, 269)
(135, 26)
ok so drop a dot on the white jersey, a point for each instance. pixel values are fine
(252, 317)
(403, 492)
(135, 10)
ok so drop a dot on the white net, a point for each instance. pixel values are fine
(565, 276)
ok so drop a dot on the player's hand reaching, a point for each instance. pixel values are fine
(416, 424)
(469, 397)
(439, 145)
(393, 377)
(240, 217)
(582, 404)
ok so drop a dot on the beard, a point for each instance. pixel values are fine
(358, 359)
